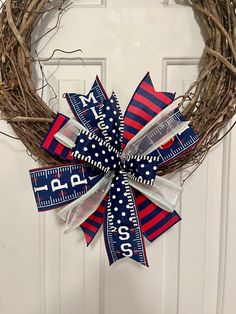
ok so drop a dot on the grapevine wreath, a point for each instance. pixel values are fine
(208, 105)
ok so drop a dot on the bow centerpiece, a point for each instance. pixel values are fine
(110, 177)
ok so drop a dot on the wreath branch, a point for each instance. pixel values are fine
(28, 119)
(221, 58)
(209, 103)
(8, 135)
(215, 19)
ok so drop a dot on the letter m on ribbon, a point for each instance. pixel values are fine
(90, 98)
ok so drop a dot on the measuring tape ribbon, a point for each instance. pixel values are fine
(86, 107)
(122, 231)
(59, 185)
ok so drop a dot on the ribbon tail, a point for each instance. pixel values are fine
(156, 133)
(154, 220)
(92, 224)
(122, 230)
(81, 105)
(59, 185)
(156, 204)
(75, 213)
(145, 100)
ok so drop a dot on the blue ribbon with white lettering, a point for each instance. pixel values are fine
(57, 186)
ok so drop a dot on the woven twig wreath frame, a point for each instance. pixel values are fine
(209, 103)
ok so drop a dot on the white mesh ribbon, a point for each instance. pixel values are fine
(163, 192)
(75, 213)
(69, 132)
(156, 133)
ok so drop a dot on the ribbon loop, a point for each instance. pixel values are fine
(111, 122)
(121, 224)
(157, 132)
(141, 168)
(85, 107)
(95, 151)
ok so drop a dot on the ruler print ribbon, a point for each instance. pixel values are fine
(109, 176)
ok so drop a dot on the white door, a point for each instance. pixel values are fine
(191, 268)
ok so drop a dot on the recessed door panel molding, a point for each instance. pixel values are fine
(185, 69)
(201, 204)
(226, 279)
(171, 3)
(227, 273)
(89, 3)
(70, 272)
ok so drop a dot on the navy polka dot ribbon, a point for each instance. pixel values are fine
(97, 150)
